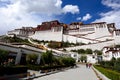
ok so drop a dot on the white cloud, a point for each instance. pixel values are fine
(86, 17)
(71, 8)
(113, 15)
(20, 13)
(110, 17)
(78, 18)
(4, 0)
(114, 4)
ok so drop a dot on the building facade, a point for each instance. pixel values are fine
(76, 32)
(109, 53)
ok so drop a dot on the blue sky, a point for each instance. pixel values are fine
(17, 13)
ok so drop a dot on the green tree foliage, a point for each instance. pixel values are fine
(31, 58)
(74, 50)
(98, 52)
(81, 51)
(83, 58)
(68, 61)
(3, 55)
(49, 61)
(117, 46)
(88, 51)
(47, 58)
(113, 64)
(117, 65)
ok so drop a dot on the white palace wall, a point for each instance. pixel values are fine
(47, 35)
(116, 37)
(90, 35)
(96, 46)
(73, 39)
(86, 33)
(101, 30)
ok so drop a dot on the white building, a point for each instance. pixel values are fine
(109, 53)
(74, 55)
(22, 32)
(73, 33)
(49, 31)
(13, 32)
(116, 34)
(94, 32)
(91, 58)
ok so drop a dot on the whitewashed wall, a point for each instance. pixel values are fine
(90, 36)
(117, 38)
(101, 31)
(91, 59)
(73, 32)
(76, 56)
(97, 46)
(109, 55)
(107, 37)
(47, 35)
(73, 39)
(13, 32)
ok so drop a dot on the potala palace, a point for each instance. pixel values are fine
(96, 36)
(74, 33)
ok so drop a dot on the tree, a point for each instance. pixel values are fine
(31, 58)
(117, 65)
(81, 51)
(98, 52)
(68, 61)
(3, 55)
(88, 51)
(83, 58)
(47, 58)
(74, 50)
(118, 46)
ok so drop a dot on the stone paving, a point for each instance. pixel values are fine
(79, 73)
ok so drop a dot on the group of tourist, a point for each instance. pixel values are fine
(88, 65)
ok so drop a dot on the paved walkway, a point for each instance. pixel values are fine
(80, 73)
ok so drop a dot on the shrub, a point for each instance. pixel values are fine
(113, 64)
(88, 51)
(83, 58)
(31, 58)
(81, 51)
(98, 52)
(3, 55)
(113, 75)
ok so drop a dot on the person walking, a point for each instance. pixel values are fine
(86, 65)
(89, 65)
